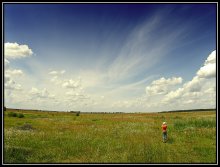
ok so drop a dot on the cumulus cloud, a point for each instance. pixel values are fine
(11, 84)
(162, 85)
(211, 90)
(199, 88)
(209, 68)
(194, 85)
(169, 81)
(55, 76)
(15, 50)
(173, 95)
(40, 93)
(71, 83)
(10, 77)
(14, 72)
(6, 64)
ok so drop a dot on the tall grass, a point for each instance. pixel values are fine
(42, 137)
(195, 123)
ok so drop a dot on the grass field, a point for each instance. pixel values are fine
(61, 137)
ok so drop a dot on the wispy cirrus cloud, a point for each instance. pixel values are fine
(121, 61)
(146, 46)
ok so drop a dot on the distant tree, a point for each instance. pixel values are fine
(4, 108)
(77, 114)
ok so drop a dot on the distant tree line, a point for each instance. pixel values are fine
(187, 110)
(102, 112)
(75, 112)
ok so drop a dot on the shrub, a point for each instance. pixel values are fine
(20, 115)
(77, 114)
(12, 114)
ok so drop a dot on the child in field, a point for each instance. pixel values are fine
(164, 129)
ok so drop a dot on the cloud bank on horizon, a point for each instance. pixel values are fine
(111, 60)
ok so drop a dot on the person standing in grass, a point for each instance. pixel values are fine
(164, 129)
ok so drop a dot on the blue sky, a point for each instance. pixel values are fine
(110, 57)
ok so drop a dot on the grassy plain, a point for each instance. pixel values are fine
(61, 137)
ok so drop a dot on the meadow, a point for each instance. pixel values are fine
(64, 137)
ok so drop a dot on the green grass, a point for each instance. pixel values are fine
(44, 137)
(198, 123)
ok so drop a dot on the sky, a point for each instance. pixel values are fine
(146, 57)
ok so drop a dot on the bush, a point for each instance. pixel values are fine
(77, 114)
(20, 115)
(12, 114)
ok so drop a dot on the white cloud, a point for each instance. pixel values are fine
(57, 72)
(77, 96)
(14, 72)
(56, 76)
(211, 58)
(209, 68)
(11, 84)
(34, 91)
(199, 90)
(40, 93)
(10, 76)
(211, 90)
(71, 83)
(162, 85)
(53, 73)
(6, 64)
(207, 71)
(142, 50)
(14, 50)
(194, 85)
(169, 81)
(173, 95)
